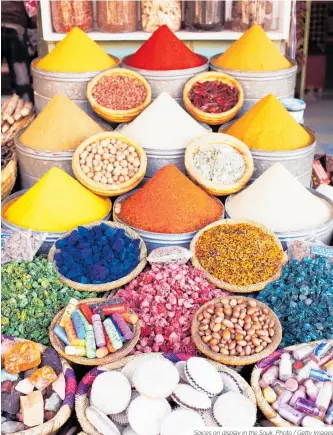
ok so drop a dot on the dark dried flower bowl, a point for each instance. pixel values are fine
(212, 118)
(118, 116)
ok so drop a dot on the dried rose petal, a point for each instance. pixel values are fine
(213, 96)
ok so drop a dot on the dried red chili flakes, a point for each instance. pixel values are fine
(119, 92)
(213, 96)
(166, 298)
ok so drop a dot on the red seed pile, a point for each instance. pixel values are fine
(166, 297)
(213, 96)
(118, 92)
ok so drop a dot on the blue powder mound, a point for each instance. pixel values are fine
(97, 255)
(303, 300)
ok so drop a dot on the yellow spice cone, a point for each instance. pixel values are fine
(76, 53)
(269, 126)
(56, 203)
(60, 126)
(253, 51)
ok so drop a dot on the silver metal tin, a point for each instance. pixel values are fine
(157, 240)
(298, 162)
(47, 84)
(51, 238)
(33, 163)
(257, 85)
(172, 82)
(323, 233)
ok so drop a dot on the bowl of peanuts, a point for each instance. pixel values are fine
(109, 164)
(118, 94)
(236, 330)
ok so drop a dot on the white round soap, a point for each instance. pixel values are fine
(188, 397)
(156, 378)
(182, 422)
(234, 410)
(129, 369)
(145, 415)
(110, 392)
(203, 376)
(129, 431)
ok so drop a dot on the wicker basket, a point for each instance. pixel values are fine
(110, 358)
(53, 425)
(109, 285)
(233, 287)
(212, 118)
(8, 177)
(118, 115)
(82, 396)
(107, 189)
(206, 142)
(265, 407)
(236, 360)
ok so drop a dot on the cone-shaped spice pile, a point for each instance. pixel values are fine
(269, 126)
(56, 203)
(170, 203)
(253, 51)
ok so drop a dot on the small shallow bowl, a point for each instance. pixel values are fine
(107, 189)
(234, 360)
(234, 287)
(207, 141)
(82, 360)
(108, 285)
(112, 115)
(212, 118)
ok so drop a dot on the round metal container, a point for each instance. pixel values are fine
(47, 84)
(323, 233)
(257, 85)
(50, 239)
(157, 240)
(298, 162)
(172, 82)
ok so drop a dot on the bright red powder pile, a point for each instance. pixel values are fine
(163, 51)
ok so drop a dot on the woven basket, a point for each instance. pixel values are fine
(109, 285)
(53, 425)
(212, 118)
(110, 358)
(118, 115)
(236, 360)
(207, 141)
(107, 189)
(233, 287)
(265, 407)
(8, 177)
(82, 396)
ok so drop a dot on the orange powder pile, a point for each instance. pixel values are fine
(253, 51)
(269, 126)
(170, 203)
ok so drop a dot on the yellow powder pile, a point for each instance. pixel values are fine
(60, 126)
(76, 53)
(269, 126)
(253, 51)
(56, 203)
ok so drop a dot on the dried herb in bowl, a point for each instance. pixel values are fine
(213, 96)
(31, 296)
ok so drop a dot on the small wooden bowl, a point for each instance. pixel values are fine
(207, 141)
(231, 359)
(62, 416)
(83, 392)
(107, 189)
(212, 118)
(118, 116)
(82, 360)
(266, 408)
(234, 287)
(109, 285)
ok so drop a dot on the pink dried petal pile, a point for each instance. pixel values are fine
(165, 297)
